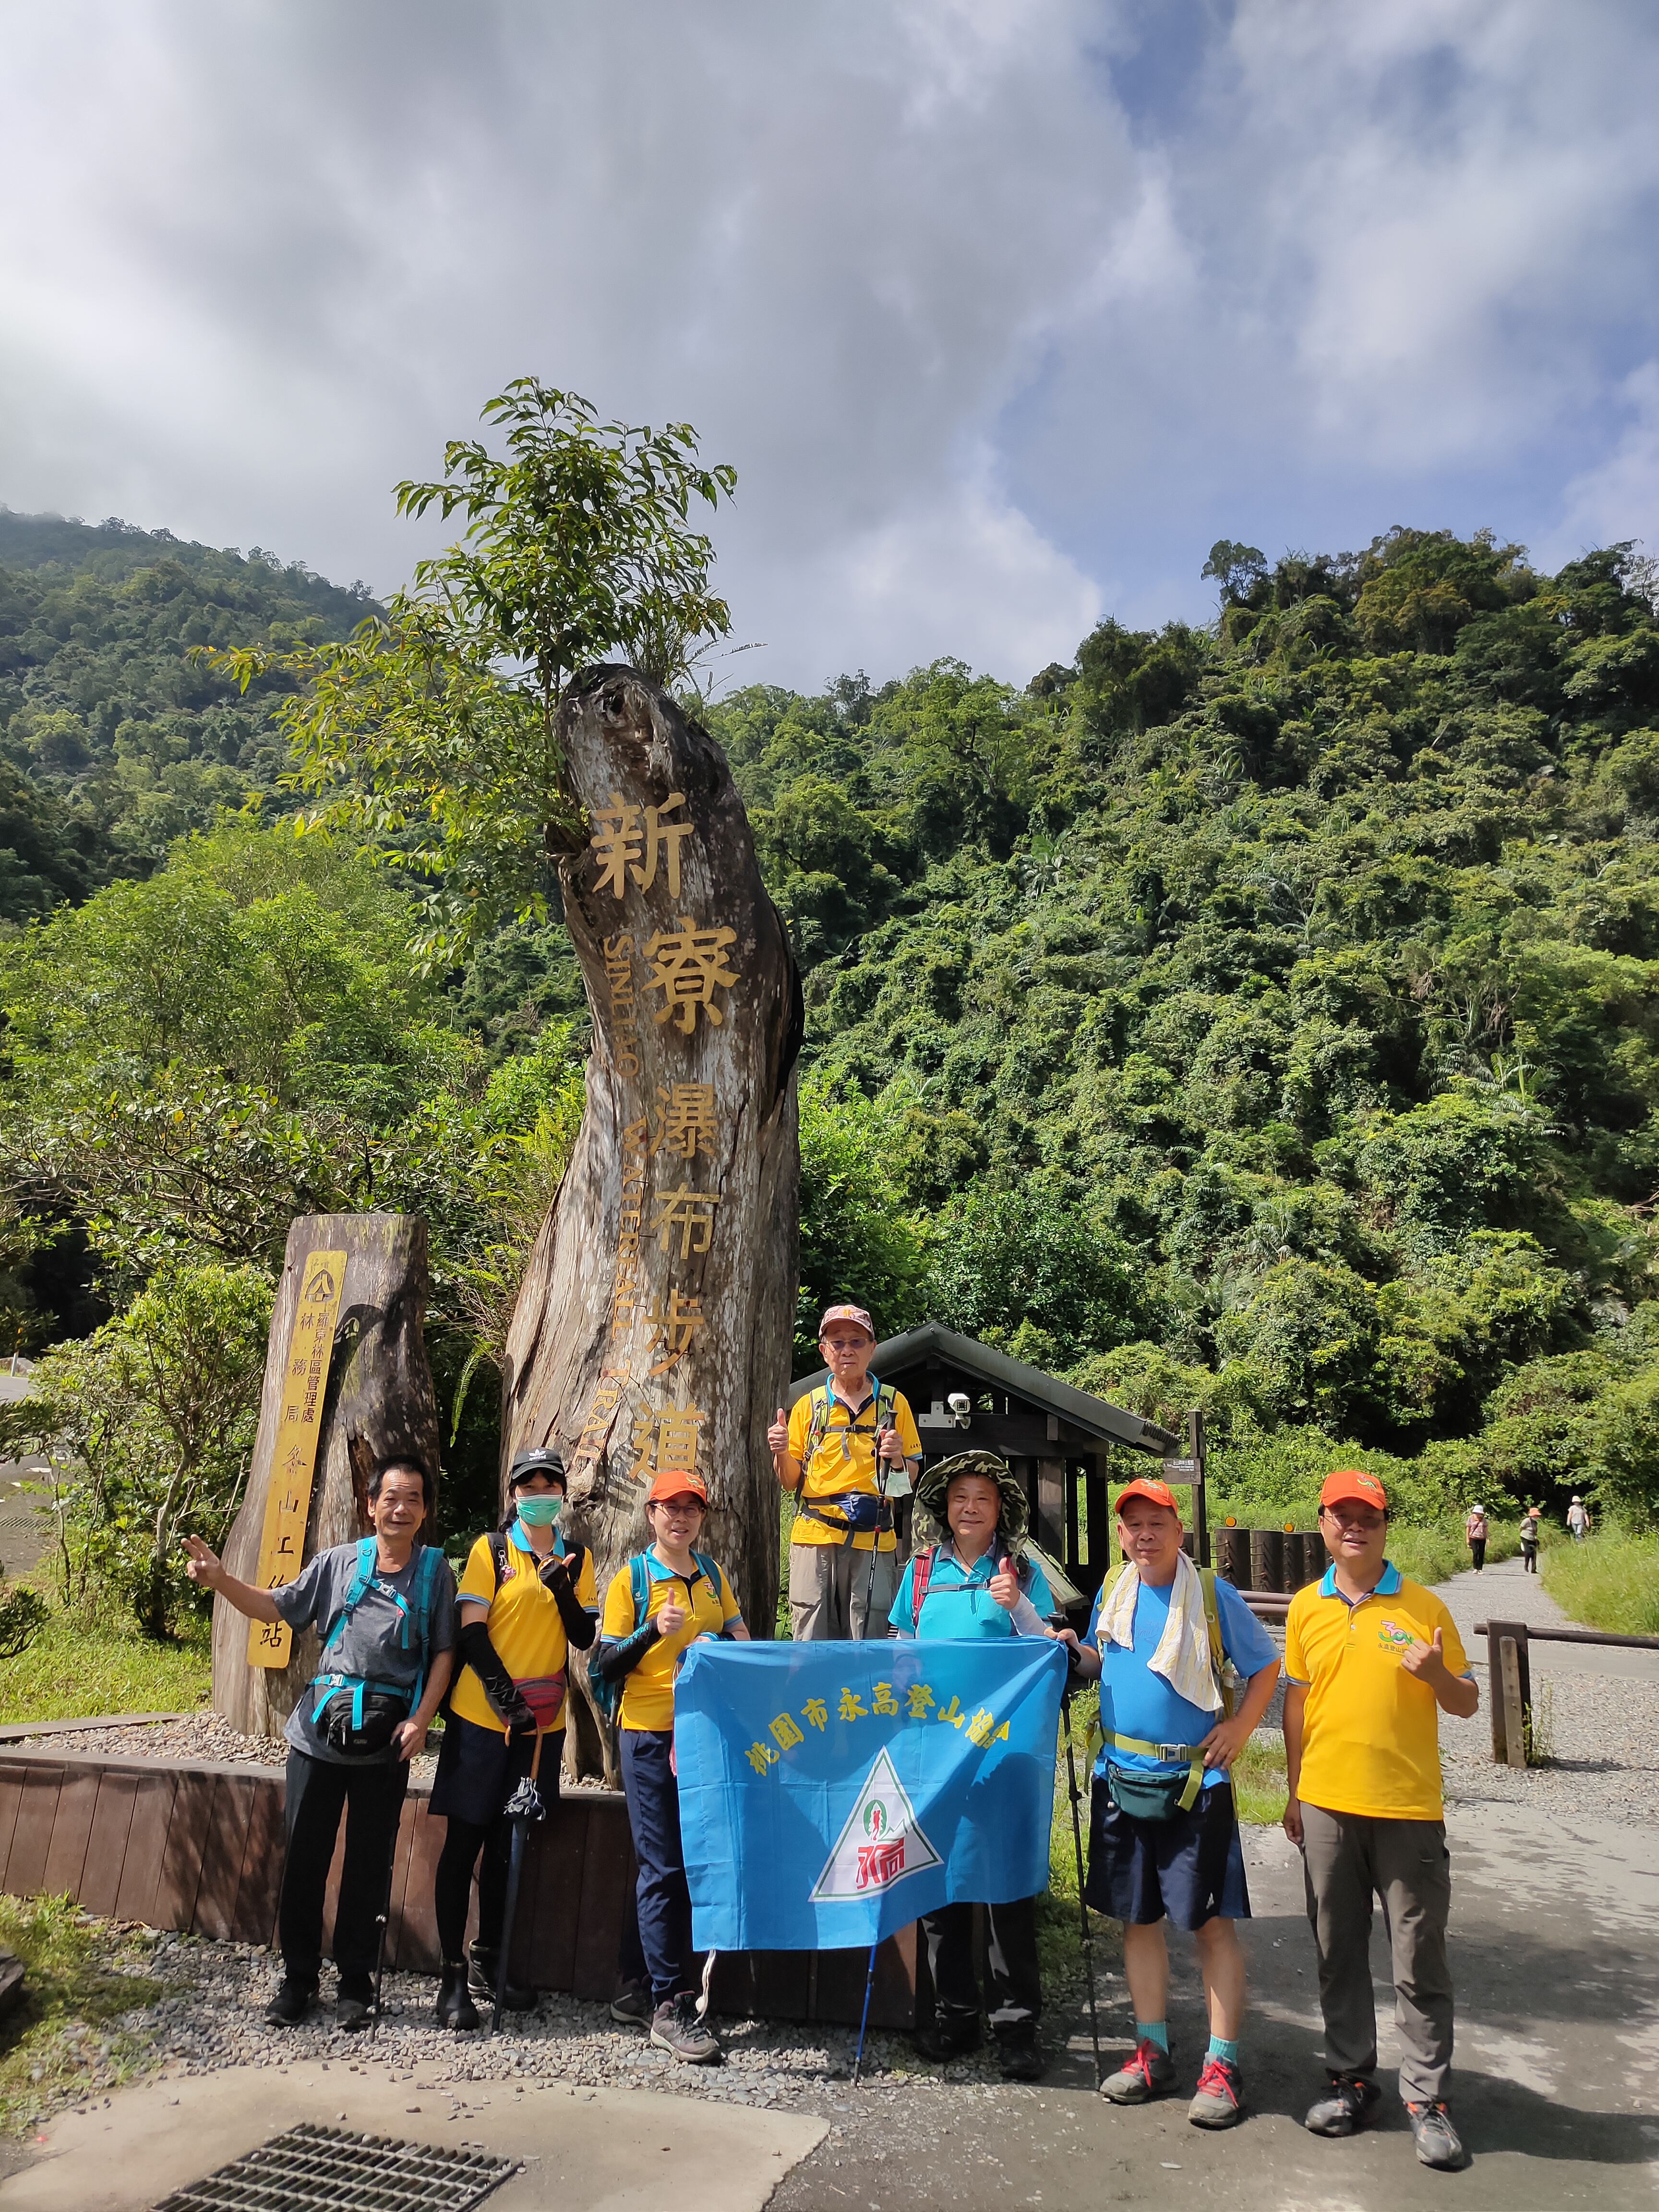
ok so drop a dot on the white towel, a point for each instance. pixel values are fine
(1182, 1656)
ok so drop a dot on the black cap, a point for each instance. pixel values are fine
(543, 1459)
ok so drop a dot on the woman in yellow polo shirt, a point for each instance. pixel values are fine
(687, 1596)
(527, 1595)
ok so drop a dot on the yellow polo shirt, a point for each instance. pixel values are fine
(523, 1624)
(845, 1460)
(647, 1698)
(1370, 1731)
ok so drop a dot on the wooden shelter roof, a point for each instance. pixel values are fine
(899, 1355)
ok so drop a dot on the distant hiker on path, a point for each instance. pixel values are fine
(976, 1584)
(1530, 1521)
(1164, 1829)
(1578, 1520)
(385, 1614)
(828, 1451)
(1476, 1532)
(1370, 1660)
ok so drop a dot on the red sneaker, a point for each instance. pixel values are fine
(1220, 2102)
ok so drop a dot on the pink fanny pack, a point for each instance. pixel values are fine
(544, 1694)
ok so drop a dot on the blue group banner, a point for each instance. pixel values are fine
(830, 1792)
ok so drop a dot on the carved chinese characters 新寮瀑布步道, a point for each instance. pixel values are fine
(287, 1503)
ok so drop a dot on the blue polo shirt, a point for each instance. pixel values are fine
(959, 1602)
(1134, 1701)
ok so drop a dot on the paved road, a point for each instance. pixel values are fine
(1508, 1592)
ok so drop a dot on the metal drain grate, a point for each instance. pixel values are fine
(310, 2167)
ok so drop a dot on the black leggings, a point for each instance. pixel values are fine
(451, 1887)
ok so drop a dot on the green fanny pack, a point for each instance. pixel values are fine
(1147, 1796)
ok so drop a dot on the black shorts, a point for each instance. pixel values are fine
(1190, 1867)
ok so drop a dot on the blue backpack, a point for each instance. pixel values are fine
(363, 1715)
(608, 1696)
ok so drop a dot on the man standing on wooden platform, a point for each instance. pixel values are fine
(1370, 1661)
(385, 1614)
(848, 1449)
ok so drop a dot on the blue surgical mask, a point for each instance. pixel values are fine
(540, 1509)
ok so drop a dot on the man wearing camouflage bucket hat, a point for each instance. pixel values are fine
(975, 1581)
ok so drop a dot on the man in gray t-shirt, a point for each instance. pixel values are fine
(380, 1643)
(352, 1757)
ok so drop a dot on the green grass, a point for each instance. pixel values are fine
(80, 1664)
(1259, 1789)
(62, 2042)
(1610, 1580)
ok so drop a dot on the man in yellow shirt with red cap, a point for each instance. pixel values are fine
(1371, 1662)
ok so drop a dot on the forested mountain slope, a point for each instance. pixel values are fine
(113, 741)
(1266, 1017)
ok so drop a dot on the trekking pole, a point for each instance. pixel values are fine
(883, 1426)
(523, 1807)
(864, 2017)
(1076, 1847)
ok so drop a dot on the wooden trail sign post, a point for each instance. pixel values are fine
(347, 1385)
(654, 1325)
(307, 1358)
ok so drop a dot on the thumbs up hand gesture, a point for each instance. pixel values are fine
(778, 1434)
(1005, 1586)
(1427, 1661)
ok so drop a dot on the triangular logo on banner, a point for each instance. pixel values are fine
(880, 1843)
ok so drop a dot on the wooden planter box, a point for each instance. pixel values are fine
(197, 1847)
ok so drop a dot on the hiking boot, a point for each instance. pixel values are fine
(354, 2003)
(631, 2007)
(455, 2008)
(948, 2036)
(1352, 2105)
(676, 2027)
(484, 1966)
(292, 2002)
(1019, 2054)
(1150, 2073)
(1437, 2140)
(1220, 2102)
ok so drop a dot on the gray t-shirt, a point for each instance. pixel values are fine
(371, 1643)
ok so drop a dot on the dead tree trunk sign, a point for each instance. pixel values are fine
(653, 1328)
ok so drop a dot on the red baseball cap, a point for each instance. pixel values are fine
(1148, 1485)
(1354, 1482)
(677, 1482)
(856, 1315)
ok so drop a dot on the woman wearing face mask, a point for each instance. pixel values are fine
(526, 1597)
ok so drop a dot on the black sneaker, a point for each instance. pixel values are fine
(292, 2002)
(675, 2026)
(1437, 2140)
(455, 2008)
(631, 2007)
(354, 2003)
(947, 2037)
(1352, 2103)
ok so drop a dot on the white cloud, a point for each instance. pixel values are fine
(1618, 498)
(1003, 308)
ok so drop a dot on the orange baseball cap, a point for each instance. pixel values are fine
(1354, 1482)
(1148, 1485)
(677, 1482)
(854, 1314)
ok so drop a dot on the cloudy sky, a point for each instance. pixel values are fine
(1003, 309)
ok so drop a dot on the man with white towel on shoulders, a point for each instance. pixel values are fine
(1167, 1643)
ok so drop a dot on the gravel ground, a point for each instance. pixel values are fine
(1603, 1736)
(195, 1736)
(215, 1994)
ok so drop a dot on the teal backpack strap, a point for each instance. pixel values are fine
(706, 1566)
(639, 1578)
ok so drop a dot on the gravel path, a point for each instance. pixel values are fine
(204, 1736)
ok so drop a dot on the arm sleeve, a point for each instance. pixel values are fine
(900, 1620)
(1042, 1597)
(297, 1601)
(1243, 1638)
(1027, 1620)
(482, 1657)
